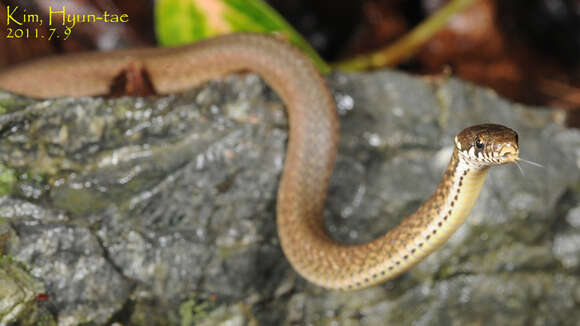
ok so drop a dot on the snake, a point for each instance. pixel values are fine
(311, 149)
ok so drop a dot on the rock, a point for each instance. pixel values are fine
(18, 296)
(162, 209)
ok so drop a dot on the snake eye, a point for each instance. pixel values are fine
(478, 143)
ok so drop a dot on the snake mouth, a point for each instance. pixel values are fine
(510, 158)
(508, 154)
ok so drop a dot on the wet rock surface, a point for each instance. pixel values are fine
(18, 292)
(161, 210)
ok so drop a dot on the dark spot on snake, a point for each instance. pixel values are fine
(439, 224)
(455, 198)
(412, 251)
(349, 286)
(427, 237)
(366, 279)
(452, 203)
(382, 272)
(398, 262)
(420, 244)
(405, 257)
(460, 183)
(445, 218)
(449, 213)
(357, 283)
(390, 268)
(375, 275)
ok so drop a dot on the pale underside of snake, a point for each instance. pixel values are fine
(312, 148)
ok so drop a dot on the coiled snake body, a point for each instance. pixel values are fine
(311, 149)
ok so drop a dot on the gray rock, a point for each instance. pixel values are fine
(18, 296)
(161, 210)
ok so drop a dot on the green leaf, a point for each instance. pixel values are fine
(179, 22)
(186, 21)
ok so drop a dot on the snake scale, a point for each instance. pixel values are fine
(311, 151)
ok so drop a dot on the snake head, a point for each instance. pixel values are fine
(487, 145)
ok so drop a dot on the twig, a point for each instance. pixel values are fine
(408, 45)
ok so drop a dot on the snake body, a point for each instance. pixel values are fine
(311, 151)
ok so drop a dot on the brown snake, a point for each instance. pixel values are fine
(312, 148)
